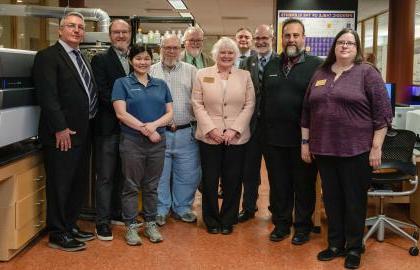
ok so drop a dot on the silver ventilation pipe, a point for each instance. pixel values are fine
(90, 14)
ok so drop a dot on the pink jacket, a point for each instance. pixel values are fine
(215, 108)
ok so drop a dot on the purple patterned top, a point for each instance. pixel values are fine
(343, 115)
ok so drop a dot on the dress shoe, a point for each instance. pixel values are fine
(245, 215)
(330, 253)
(81, 235)
(352, 260)
(213, 230)
(278, 234)
(300, 238)
(65, 242)
(227, 229)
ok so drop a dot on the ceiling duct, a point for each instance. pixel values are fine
(91, 14)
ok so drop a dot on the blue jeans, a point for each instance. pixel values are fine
(181, 172)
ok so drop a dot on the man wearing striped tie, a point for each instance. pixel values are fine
(67, 96)
(255, 64)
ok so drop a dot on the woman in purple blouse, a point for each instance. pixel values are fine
(345, 117)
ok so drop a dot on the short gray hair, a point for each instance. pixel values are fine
(192, 29)
(224, 43)
(170, 36)
(73, 13)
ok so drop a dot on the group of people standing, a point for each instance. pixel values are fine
(162, 129)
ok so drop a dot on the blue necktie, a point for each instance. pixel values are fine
(88, 81)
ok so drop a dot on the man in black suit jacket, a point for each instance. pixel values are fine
(108, 67)
(251, 176)
(67, 96)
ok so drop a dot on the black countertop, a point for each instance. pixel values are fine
(18, 150)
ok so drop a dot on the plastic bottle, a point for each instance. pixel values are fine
(139, 36)
(179, 34)
(145, 39)
(151, 37)
(157, 37)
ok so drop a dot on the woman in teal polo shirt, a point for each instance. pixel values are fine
(143, 104)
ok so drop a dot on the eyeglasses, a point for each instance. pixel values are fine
(117, 33)
(347, 43)
(168, 48)
(74, 26)
(195, 40)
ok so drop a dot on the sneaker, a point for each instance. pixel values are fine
(151, 231)
(161, 219)
(132, 236)
(117, 222)
(103, 232)
(189, 217)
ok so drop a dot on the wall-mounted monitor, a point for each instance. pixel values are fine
(414, 90)
(390, 88)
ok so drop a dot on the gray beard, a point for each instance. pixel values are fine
(170, 63)
(292, 51)
(194, 52)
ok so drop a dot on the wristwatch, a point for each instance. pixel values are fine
(304, 141)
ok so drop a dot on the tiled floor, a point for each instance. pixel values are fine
(188, 246)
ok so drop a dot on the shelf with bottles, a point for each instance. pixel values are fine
(152, 37)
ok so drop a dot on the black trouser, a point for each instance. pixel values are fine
(108, 178)
(67, 182)
(345, 182)
(292, 184)
(251, 174)
(226, 163)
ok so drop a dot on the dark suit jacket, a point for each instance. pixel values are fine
(251, 64)
(107, 68)
(61, 95)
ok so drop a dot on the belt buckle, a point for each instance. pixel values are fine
(173, 128)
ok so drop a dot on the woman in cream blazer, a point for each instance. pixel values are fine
(223, 101)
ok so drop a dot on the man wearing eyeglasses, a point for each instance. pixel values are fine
(255, 64)
(292, 182)
(108, 67)
(193, 53)
(181, 170)
(67, 96)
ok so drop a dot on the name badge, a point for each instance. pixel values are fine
(273, 75)
(320, 82)
(208, 79)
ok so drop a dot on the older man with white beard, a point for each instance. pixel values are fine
(193, 53)
(292, 182)
(181, 171)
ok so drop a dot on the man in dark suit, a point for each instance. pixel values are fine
(67, 95)
(243, 38)
(107, 67)
(251, 176)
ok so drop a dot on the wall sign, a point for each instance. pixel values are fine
(320, 27)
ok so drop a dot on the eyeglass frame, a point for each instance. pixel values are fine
(74, 26)
(345, 43)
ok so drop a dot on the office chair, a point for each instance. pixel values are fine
(397, 167)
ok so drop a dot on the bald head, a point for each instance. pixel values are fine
(263, 39)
